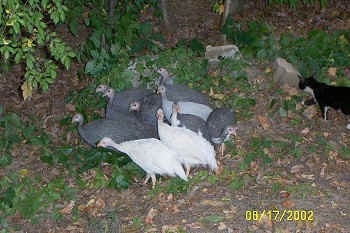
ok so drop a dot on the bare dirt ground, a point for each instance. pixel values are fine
(212, 207)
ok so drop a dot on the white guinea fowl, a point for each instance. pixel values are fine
(151, 155)
(191, 147)
(192, 108)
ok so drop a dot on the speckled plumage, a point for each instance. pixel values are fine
(191, 122)
(192, 108)
(178, 92)
(146, 108)
(120, 130)
(119, 102)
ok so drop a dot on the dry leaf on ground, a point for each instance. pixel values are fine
(68, 208)
(150, 215)
(263, 122)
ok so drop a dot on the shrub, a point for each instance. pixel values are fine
(26, 38)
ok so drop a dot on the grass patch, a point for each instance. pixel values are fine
(302, 190)
(28, 197)
(318, 51)
(213, 219)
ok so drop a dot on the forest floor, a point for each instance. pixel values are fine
(311, 191)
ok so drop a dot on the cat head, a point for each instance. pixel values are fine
(310, 82)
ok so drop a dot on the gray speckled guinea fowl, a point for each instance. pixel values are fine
(221, 126)
(178, 92)
(120, 130)
(192, 122)
(146, 108)
(192, 108)
(119, 102)
(102, 88)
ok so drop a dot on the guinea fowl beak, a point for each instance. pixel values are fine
(99, 144)
(234, 132)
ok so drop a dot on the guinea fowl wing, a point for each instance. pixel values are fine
(178, 92)
(218, 120)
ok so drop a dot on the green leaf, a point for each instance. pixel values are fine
(90, 67)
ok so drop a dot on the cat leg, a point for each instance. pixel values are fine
(324, 112)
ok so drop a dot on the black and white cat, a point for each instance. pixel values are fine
(327, 96)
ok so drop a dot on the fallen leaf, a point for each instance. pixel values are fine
(268, 70)
(310, 112)
(265, 222)
(100, 204)
(213, 203)
(150, 215)
(263, 122)
(253, 168)
(305, 131)
(291, 91)
(222, 226)
(284, 194)
(27, 90)
(194, 225)
(68, 209)
(323, 168)
(23, 172)
(221, 9)
(332, 71)
(219, 96)
(170, 197)
(170, 228)
(296, 168)
(308, 177)
(70, 108)
(288, 204)
(211, 92)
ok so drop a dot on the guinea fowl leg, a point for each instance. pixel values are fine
(187, 168)
(146, 179)
(222, 149)
(154, 179)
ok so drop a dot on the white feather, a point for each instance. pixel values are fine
(151, 155)
(192, 149)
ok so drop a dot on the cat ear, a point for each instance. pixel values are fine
(300, 77)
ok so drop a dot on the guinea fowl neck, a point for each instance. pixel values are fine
(115, 146)
(221, 138)
(174, 120)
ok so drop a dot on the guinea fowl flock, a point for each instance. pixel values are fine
(162, 133)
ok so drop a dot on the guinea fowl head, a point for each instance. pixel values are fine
(134, 106)
(160, 114)
(105, 142)
(109, 93)
(225, 134)
(78, 118)
(176, 110)
(231, 130)
(163, 72)
(176, 107)
(161, 90)
(101, 88)
(165, 77)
